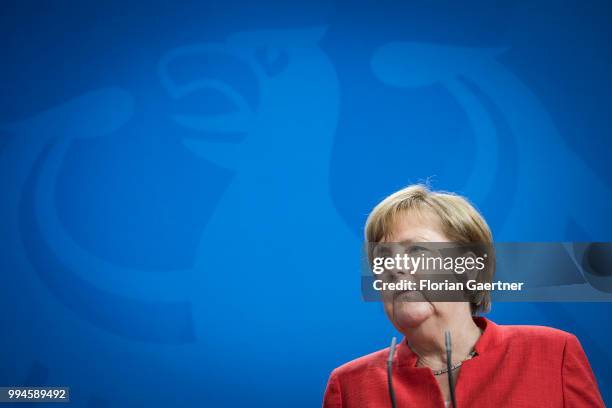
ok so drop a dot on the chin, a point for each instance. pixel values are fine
(409, 315)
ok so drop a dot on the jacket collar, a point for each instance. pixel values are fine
(489, 338)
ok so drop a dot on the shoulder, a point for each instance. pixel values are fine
(511, 333)
(540, 340)
(358, 366)
(349, 381)
(555, 351)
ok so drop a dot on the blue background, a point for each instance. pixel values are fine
(184, 185)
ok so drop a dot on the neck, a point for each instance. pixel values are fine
(427, 340)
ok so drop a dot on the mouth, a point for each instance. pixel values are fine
(410, 296)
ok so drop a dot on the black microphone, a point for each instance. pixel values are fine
(449, 362)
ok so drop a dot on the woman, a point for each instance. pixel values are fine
(492, 365)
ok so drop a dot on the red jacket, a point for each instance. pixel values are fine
(515, 366)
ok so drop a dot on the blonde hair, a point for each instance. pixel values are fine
(459, 221)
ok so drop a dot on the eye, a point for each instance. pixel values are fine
(381, 251)
(272, 60)
(417, 250)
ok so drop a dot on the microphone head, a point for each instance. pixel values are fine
(392, 349)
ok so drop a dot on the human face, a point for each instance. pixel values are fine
(408, 310)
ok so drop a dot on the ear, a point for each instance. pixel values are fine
(474, 272)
